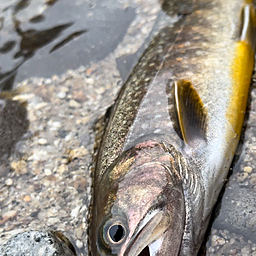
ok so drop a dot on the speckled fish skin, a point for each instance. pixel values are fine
(155, 179)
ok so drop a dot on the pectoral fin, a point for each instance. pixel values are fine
(192, 115)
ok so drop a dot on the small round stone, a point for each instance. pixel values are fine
(248, 169)
(42, 141)
(9, 182)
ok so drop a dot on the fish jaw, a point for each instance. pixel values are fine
(143, 195)
(162, 235)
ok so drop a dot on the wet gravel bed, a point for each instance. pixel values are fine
(45, 185)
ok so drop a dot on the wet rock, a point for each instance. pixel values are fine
(37, 243)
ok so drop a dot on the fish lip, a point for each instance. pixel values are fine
(156, 219)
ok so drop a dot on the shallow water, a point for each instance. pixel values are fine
(43, 38)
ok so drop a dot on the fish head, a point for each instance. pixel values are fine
(139, 206)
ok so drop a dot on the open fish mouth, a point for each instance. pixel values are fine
(150, 233)
(152, 249)
(145, 252)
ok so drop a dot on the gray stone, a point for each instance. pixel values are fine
(37, 243)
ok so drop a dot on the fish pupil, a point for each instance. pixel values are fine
(116, 233)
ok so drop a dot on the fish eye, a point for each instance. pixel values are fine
(116, 233)
(112, 233)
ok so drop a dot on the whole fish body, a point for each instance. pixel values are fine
(173, 131)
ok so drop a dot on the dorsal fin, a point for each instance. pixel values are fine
(192, 115)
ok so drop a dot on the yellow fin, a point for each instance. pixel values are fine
(192, 115)
(242, 68)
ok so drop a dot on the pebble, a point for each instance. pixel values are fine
(242, 176)
(9, 182)
(79, 244)
(80, 233)
(40, 105)
(42, 141)
(80, 183)
(89, 80)
(20, 167)
(232, 241)
(61, 95)
(39, 155)
(75, 211)
(47, 81)
(246, 251)
(52, 221)
(27, 198)
(62, 168)
(253, 179)
(216, 240)
(47, 171)
(74, 104)
(78, 152)
(9, 214)
(68, 137)
(79, 96)
(248, 169)
(55, 124)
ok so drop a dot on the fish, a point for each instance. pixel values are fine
(169, 139)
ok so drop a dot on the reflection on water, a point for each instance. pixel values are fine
(33, 39)
(42, 38)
